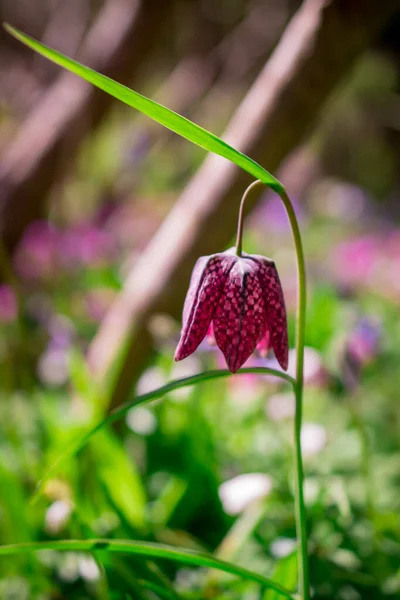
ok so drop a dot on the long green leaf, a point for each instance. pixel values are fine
(155, 111)
(285, 570)
(189, 557)
(120, 411)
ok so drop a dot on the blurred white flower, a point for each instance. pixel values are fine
(282, 547)
(235, 494)
(343, 200)
(68, 569)
(280, 406)
(150, 380)
(61, 329)
(57, 516)
(313, 368)
(53, 366)
(244, 390)
(88, 568)
(312, 489)
(105, 524)
(141, 420)
(15, 588)
(313, 438)
(185, 368)
(347, 559)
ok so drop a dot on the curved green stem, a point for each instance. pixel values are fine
(121, 411)
(241, 216)
(189, 557)
(301, 522)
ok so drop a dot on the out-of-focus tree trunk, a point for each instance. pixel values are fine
(206, 75)
(122, 34)
(319, 46)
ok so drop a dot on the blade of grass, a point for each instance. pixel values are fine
(120, 411)
(285, 570)
(189, 557)
(240, 532)
(150, 576)
(155, 111)
(157, 589)
(154, 571)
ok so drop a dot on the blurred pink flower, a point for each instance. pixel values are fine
(85, 244)
(280, 406)
(61, 330)
(355, 260)
(35, 257)
(364, 341)
(362, 347)
(8, 304)
(43, 249)
(314, 371)
(271, 214)
(245, 390)
(392, 244)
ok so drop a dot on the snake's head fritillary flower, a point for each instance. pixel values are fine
(242, 298)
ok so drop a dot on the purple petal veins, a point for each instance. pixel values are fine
(204, 292)
(275, 310)
(239, 318)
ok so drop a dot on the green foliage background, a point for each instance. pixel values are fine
(156, 475)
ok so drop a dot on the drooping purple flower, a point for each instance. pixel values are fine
(242, 297)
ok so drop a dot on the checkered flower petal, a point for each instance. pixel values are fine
(239, 318)
(238, 300)
(275, 309)
(205, 289)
